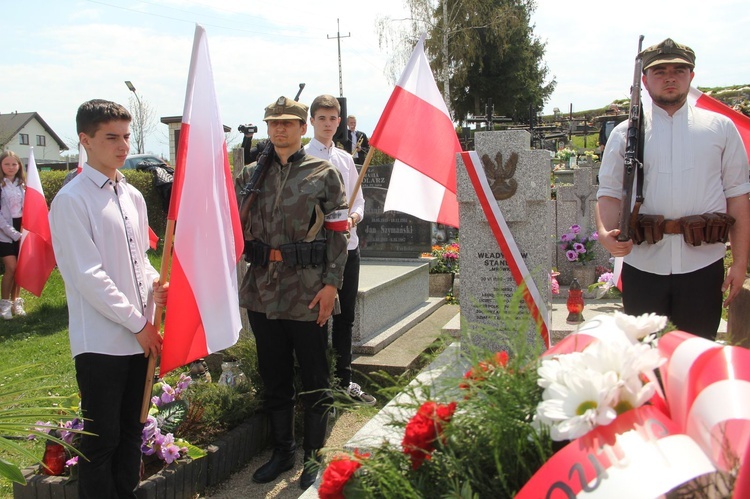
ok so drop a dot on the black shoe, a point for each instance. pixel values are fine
(279, 463)
(310, 469)
(356, 393)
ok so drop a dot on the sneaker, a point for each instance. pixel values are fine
(355, 392)
(5, 310)
(17, 307)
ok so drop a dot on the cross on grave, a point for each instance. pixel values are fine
(575, 203)
(489, 118)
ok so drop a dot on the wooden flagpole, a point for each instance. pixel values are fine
(166, 260)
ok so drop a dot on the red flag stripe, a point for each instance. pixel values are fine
(397, 137)
(740, 121)
(36, 258)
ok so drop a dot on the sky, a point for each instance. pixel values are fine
(60, 53)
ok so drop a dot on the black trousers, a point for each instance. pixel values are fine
(278, 341)
(341, 338)
(692, 301)
(111, 396)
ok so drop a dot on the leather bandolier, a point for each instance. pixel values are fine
(707, 228)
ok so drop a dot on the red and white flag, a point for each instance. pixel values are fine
(417, 130)
(36, 259)
(203, 314)
(742, 122)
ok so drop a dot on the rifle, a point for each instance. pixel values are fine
(251, 190)
(633, 163)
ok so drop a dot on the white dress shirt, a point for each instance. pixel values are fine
(345, 165)
(11, 206)
(693, 161)
(100, 237)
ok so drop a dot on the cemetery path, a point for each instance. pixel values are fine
(240, 484)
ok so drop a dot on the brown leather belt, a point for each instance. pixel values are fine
(672, 227)
(274, 255)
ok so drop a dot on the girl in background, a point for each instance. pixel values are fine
(12, 191)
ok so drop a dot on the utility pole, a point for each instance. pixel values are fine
(338, 39)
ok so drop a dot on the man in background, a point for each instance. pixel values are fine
(358, 144)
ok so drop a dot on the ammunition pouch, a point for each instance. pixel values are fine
(304, 253)
(292, 254)
(708, 228)
(257, 252)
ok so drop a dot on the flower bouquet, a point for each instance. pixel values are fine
(588, 417)
(577, 247)
(446, 258)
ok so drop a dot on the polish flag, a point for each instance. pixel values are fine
(417, 130)
(203, 314)
(742, 122)
(36, 259)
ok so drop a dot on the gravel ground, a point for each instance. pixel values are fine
(240, 484)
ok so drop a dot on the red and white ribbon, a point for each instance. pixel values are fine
(507, 244)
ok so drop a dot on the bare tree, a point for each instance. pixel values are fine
(144, 122)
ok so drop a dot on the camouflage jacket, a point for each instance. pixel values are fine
(278, 290)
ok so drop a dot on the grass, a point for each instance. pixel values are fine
(40, 342)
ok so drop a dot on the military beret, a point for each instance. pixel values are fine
(285, 108)
(667, 52)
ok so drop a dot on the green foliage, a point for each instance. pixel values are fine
(380, 158)
(489, 448)
(447, 258)
(143, 181)
(223, 407)
(170, 416)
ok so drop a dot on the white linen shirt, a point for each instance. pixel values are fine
(345, 165)
(11, 206)
(693, 161)
(100, 237)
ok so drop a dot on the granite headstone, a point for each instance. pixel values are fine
(519, 178)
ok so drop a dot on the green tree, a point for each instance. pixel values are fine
(479, 49)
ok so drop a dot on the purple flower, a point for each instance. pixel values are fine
(156, 400)
(579, 248)
(171, 453)
(71, 462)
(168, 395)
(149, 429)
(571, 255)
(607, 277)
(565, 238)
(594, 236)
(575, 229)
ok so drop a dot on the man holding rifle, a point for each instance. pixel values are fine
(694, 195)
(295, 237)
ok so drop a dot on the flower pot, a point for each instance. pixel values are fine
(440, 284)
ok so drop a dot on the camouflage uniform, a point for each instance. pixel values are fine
(278, 290)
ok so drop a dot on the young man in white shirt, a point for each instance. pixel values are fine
(325, 117)
(694, 165)
(100, 236)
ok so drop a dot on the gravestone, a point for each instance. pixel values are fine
(389, 234)
(576, 204)
(519, 178)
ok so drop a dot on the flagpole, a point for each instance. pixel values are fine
(166, 260)
(365, 166)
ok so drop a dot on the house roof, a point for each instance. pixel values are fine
(12, 123)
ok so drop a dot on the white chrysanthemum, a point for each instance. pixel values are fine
(552, 368)
(626, 362)
(639, 327)
(632, 394)
(579, 404)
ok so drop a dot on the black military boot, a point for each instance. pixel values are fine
(282, 431)
(316, 426)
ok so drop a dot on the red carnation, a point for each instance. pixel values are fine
(480, 372)
(424, 429)
(337, 474)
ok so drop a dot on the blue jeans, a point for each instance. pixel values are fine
(111, 397)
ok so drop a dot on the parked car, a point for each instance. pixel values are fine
(163, 174)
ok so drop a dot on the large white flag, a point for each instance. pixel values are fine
(416, 129)
(203, 314)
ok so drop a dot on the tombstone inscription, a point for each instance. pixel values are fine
(519, 180)
(389, 234)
